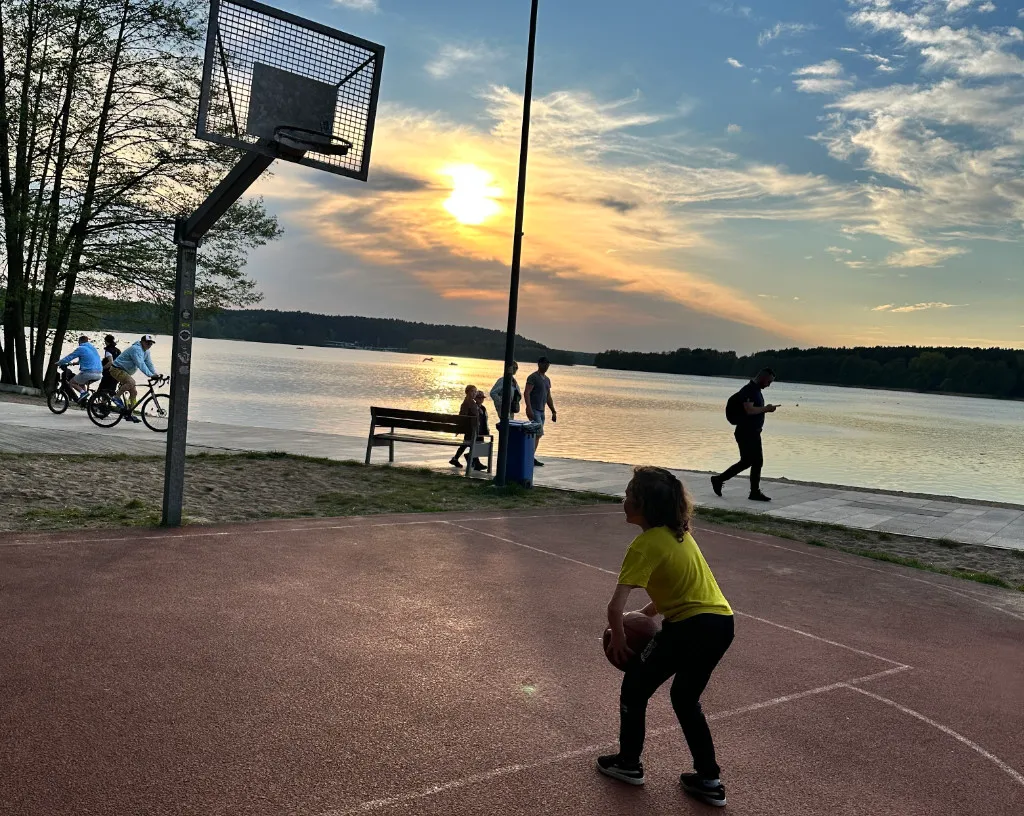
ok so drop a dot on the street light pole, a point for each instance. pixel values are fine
(517, 254)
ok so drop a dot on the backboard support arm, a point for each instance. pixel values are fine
(188, 235)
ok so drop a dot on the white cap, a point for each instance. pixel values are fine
(149, 338)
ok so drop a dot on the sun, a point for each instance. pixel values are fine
(473, 196)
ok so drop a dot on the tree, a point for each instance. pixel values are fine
(97, 159)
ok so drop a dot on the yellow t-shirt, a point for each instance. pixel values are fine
(675, 575)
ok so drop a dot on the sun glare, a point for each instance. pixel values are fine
(473, 194)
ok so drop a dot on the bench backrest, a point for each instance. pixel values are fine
(422, 421)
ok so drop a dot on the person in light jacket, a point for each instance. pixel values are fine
(134, 358)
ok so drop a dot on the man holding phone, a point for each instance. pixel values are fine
(746, 409)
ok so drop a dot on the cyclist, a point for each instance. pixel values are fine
(90, 369)
(110, 353)
(134, 358)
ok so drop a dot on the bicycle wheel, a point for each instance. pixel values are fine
(102, 410)
(156, 412)
(57, 401)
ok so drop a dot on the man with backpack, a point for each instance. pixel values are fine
(746, 409)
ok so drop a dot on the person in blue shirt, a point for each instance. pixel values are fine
(90, 367)
(134, 358)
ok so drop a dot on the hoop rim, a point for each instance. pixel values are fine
(309, 140)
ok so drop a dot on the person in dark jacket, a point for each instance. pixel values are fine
(110, 353)
(750, 422)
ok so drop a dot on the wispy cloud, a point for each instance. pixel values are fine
(735, 63)
(822, 85)
(733, 129)
(915, 307)
(452, 58)
(359, 5)
(783, 30)
(828, 68)
(729, 8)
(923, 256)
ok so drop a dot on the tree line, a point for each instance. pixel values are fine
(982, 372)
(97, 159)
(307, 329)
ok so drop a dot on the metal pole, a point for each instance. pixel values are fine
(181, 360)
(517, 254)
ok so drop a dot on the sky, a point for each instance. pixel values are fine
(710, 173)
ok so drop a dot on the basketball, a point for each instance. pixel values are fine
(640, 628)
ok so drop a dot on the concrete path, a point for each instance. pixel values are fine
(32, 428)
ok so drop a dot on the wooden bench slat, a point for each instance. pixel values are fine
(381, 414)
(423, 440)
(460, 428)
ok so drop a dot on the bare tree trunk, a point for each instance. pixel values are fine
(78, 232)
(55, 247)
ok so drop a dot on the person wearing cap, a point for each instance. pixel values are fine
(110, 353)
(498, 390)
(134, 358)
(90, 369)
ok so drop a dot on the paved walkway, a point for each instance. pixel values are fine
(33, 429)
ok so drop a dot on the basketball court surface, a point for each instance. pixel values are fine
(451, 664)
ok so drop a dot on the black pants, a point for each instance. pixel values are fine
(690, 650)
(751, 456)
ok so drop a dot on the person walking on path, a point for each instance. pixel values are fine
(538, 397)
(665, 561)
(746, 409)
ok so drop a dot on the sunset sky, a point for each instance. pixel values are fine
(739, 175)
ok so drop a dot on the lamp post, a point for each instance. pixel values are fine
(517, 254)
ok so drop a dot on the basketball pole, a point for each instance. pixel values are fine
(517, 254)
(188, 235)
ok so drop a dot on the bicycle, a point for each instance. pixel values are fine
(63, 395)
(106, 409)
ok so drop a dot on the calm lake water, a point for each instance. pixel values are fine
(956, 446)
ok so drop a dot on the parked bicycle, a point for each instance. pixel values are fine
(106, 409)
(64, 394)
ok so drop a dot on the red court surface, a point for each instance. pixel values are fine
(452, 665)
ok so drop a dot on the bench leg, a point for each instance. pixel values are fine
(490, 453)
(391, 451)
(369, 446)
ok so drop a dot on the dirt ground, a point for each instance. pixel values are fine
(48, 492)
(54, 492)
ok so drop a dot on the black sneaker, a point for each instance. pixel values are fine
(538, 463)
(630, 773)
(716, 485)
(133, 418)
(709, 794)
(759, 496)
(455, 463)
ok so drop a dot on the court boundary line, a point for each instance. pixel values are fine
(1006, 768)
(784, 627)
(371, 805)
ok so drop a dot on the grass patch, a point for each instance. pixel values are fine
(983, 565)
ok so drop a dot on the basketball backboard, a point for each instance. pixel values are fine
(271, 78)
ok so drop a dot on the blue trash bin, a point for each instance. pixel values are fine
(521, 445)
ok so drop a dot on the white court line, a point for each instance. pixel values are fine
(38, 538)
(959, 592)
(1014, 774)
(741, 614)
(508, 770)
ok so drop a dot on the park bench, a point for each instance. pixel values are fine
(414, 427)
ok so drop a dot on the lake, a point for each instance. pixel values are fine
(958, 446)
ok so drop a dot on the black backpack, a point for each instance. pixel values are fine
(734, 408)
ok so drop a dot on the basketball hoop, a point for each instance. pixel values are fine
(301, 140)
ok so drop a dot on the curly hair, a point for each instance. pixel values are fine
(662, 499)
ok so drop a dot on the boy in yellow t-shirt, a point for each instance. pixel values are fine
(697, 630)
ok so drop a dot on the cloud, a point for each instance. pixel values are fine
(732, 9)
(828, 68)
(834, 250)
(783, 30)
(735, 63)
(822, 85)
(915, 307)
(359, 5)
(923, 256)
(452, 58)
(732, 130)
